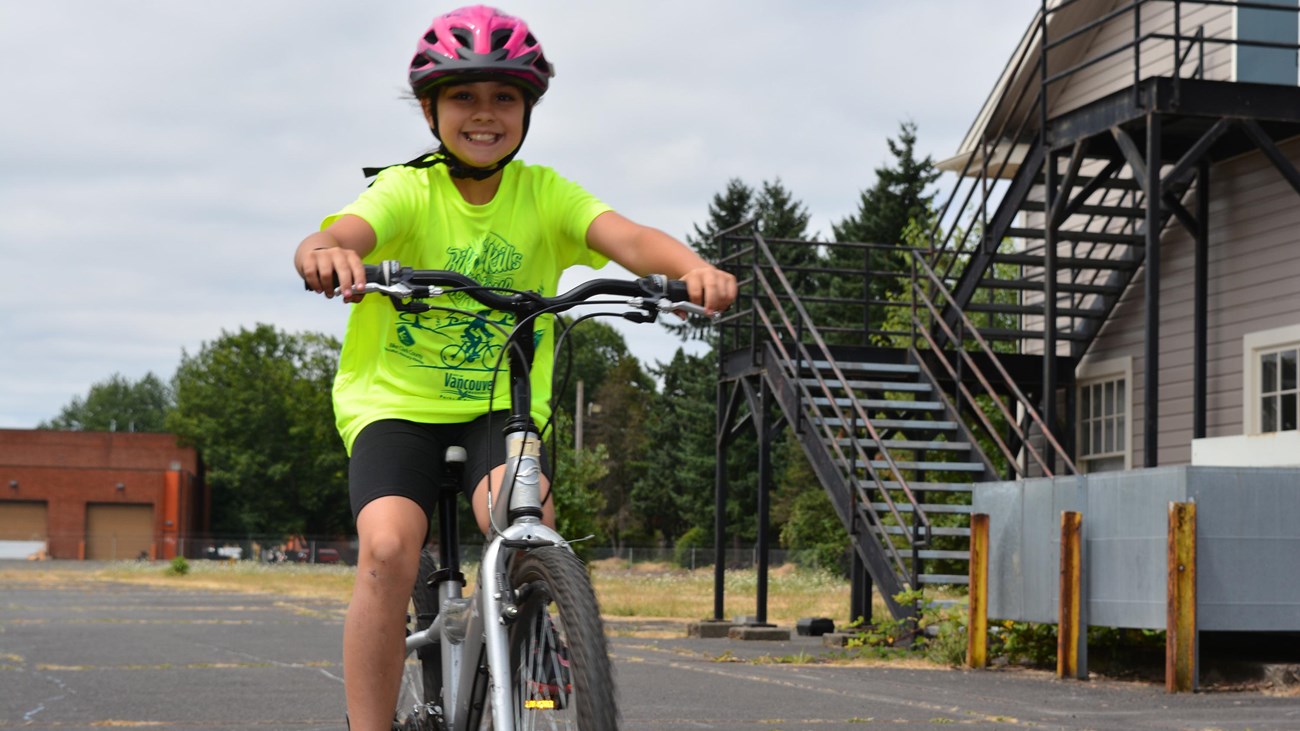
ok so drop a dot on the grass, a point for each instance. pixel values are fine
(643, 591)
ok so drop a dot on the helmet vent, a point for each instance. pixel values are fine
(500, 37)
(530, 41)
(431, 37)
(465, 38)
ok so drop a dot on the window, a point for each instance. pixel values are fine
(1277, 391)
(1262, 64)
(1271, 381)
(1102, 433)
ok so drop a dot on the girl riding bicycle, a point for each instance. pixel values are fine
(471, 207)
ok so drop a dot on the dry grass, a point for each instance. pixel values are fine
(665, 592)
(646, 591)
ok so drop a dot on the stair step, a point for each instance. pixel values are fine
(1019, 309)
(917, 424)
(927, 466)
(870, 385)
(953, 531)
(1037, 286)
(944, 579)
(922, 486)
(1099, 237)
(1068, 262)
(858, 367)
(928, 555)
(882, 404)
(1093, 210)
(940, 508)
(1000, 333)
(893, 444)
(1082, 181)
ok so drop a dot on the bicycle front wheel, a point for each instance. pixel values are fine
(561, 677)
(419, 697)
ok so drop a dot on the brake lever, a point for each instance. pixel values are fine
(400, 290)
(663, 304)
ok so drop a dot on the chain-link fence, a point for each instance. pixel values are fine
(296, 549)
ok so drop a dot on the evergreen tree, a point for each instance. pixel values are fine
(674, 491)
(117, 404)
(730, 208)
(616, 421)
(902, 194)
(782, 217)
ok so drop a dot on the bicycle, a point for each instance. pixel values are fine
(530, 651)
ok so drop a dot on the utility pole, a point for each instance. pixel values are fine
(578, 411)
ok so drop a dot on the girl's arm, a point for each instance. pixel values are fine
(644, 250)
(335, 252)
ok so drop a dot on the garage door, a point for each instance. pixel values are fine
(118, 532)
(23, 521)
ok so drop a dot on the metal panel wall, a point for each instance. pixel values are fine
(1248, 544)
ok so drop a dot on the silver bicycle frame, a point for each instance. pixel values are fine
(466, 626)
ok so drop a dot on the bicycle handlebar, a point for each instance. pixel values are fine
(655, 293)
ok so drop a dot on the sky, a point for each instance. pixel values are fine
(160, 160)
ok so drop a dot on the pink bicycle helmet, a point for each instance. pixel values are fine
(479, 41)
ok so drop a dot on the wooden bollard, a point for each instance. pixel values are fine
(977, 621)
(1070, 625)
(1180, 620)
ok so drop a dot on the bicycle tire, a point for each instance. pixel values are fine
(561, 676)
(421, 688)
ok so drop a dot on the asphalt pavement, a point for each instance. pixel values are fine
(88, 655)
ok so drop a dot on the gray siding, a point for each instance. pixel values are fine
(1254, 285)
(1116, 73)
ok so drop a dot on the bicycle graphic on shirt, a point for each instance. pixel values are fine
(473, 339)
(474, 347)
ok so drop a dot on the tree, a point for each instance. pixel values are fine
(901, 195)
(117, 404)
(674, 491)
(728, 209)
(616, 424)
(578, 503)
(588, 353)
(257, 405)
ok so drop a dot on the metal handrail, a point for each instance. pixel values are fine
(1009, 384)
(795, 337)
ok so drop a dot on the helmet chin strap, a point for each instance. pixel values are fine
(458, 168)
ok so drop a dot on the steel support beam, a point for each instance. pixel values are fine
(1200, 318)
(1151, 367)
(1049, 306)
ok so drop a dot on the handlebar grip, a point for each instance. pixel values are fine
(677, 291)
(374, 273)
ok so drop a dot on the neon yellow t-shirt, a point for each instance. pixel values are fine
(437, 367)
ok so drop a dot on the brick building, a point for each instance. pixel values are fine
(100, 495)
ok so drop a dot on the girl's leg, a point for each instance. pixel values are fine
(495, 477)
(390, 532)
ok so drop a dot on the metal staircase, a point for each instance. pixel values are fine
(890, 432)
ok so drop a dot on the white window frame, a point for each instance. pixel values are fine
(1253, 346)
(1090, 373)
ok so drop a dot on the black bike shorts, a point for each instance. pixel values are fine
(395, 457)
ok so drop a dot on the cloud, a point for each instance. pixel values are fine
(162, 159)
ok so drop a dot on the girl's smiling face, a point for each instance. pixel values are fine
(480, 122)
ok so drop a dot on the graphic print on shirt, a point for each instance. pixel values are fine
(466, 348)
